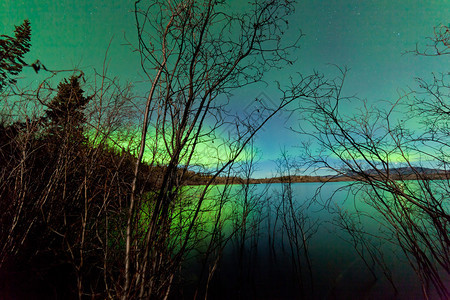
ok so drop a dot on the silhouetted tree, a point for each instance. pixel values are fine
(398, 170)
(194, 53)
(66, 110)
(12, 51)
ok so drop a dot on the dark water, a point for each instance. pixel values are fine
(265, 257)
(260, 249)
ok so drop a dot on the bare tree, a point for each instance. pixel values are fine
(298, 226)
(64, 180)
(399, 171)
(123, 225)
(439, 43)
(194, 53)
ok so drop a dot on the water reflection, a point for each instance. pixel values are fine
(275, 242)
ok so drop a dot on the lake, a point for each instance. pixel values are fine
(290, 242)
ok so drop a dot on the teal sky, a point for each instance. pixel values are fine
(368, 37)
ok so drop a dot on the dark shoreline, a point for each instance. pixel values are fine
(321, 179)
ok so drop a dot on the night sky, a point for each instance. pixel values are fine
(368, 37)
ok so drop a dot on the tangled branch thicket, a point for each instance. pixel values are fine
(399, 164)
(89, 200)
(96, 184)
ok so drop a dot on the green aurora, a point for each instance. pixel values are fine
(369, 37)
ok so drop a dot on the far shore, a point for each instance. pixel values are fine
(323, 179)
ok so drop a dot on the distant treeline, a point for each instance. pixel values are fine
(431, 174)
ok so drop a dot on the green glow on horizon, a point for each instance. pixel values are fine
(209, 153)
(392, 157)
(367, 36)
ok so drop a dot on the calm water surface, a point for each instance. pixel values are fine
(264, 255)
